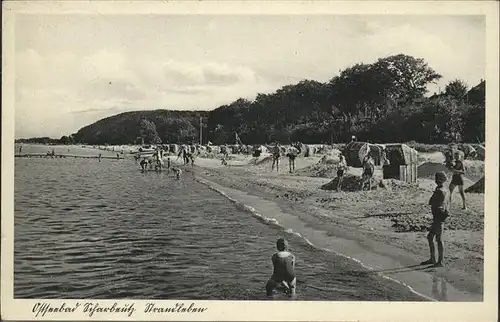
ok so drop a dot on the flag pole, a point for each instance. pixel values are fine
(201, 130)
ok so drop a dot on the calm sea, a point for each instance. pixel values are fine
(104, 230)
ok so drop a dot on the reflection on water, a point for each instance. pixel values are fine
(439, 290)
(85, 229)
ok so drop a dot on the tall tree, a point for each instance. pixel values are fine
(409, 75)
(148, 132)
(456, 89)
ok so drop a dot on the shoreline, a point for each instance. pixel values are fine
(288, 200)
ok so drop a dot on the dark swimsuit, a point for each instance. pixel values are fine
(283, 269)
(457, 179)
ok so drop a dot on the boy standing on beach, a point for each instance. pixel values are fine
(439, 203)
(283, 269)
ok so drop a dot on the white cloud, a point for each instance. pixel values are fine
(68, 77)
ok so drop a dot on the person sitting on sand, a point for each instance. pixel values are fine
(292, 154)
(439, 203)
(283, 269)
(457, 166)
(368, 170)
(341, 168)
(276, 155)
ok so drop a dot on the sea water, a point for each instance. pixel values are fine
(86, 229)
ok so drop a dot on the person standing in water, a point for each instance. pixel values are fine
(439, 203)
(457, 180)
(283, 270)
(341, 168)
(276, 156)
(100, 157)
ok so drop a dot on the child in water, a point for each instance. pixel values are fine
(439, 203)
(283, 270)
(177, 173)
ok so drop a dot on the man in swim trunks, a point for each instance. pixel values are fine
(368, 170)
(292, 154)
(341, 167)
(439, 203)
(283, 269)
(276, 155)
(457, 179)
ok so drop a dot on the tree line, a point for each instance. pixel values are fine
(386, 101)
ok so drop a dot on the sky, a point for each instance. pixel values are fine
(72, 70)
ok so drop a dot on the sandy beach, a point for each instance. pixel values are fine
(384, 229)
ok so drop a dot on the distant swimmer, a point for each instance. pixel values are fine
(276, 156)
(283, 270)
(292, 154)
(177, 173)
(439, 203)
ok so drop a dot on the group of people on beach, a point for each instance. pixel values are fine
(439, 202)
(291, 153)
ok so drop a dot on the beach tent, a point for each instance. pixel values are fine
(257, 150)
(403, 163)
(355, 152)
(477, 187)
(174, 148)
(469, 151)
(223, 149)
(480, 151)
(401, 154)
(376, 152)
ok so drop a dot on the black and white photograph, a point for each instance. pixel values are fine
(162, 162)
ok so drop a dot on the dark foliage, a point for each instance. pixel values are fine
(380, 102)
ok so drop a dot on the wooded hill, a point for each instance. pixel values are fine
(380, 102)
